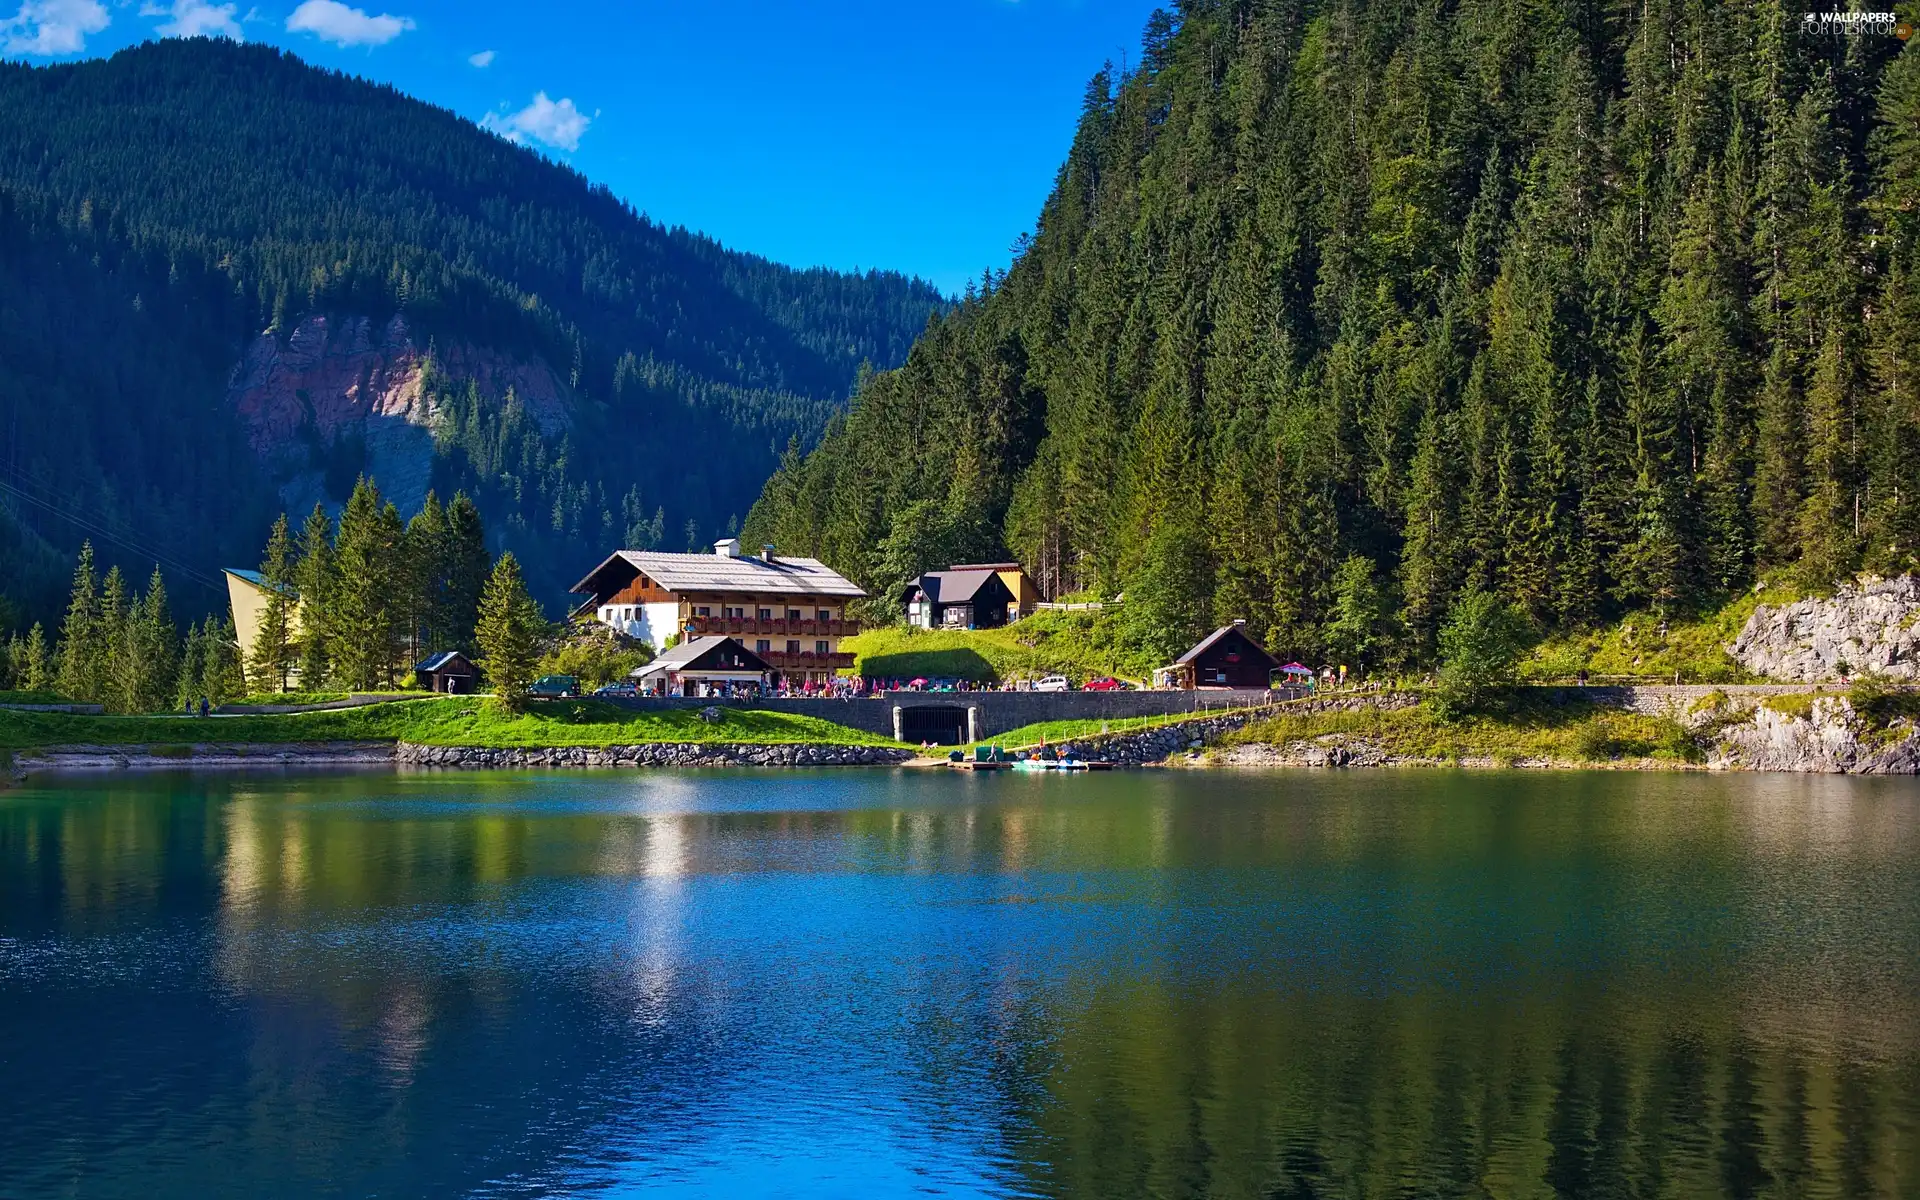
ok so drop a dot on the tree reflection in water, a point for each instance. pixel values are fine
(1295, 985)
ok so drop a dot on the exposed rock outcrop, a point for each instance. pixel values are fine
(331, 378)
(1869, 626)
(1828, 738)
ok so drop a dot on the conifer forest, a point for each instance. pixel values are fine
(1596, 307)
(163, 209)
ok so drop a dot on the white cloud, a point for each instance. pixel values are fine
(195, 18)
(551, 123)
(482, 59)
(332, 21)
(51, 26)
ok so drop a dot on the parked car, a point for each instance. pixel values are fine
(1107, 684)
(617, 689)
(555, 687)
(1052, 683)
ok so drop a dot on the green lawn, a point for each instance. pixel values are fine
(1080, 645)
(455, 721)
(1532, 728)
(322, 697)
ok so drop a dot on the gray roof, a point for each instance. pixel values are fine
(956, 585)
(676, 657)
(439, 661)
(718, 573)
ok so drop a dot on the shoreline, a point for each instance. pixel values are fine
(238, 756)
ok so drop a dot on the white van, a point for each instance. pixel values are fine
(1052, 683)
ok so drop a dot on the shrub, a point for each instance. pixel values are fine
(1480, 646)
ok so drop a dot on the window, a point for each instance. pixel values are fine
(819, 647)
(766, 614)
(762, 646)
(629, 615)
(826, 614)
(734, 614)
(793, 646)
(793, 614)
(703, 611)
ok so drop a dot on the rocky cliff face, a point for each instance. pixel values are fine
(1829, 738)
(334, 378)
(1869, 627)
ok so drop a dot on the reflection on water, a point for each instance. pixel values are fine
(1175, 984)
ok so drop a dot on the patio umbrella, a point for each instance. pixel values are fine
(917, 682)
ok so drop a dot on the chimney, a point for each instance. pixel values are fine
(727, 547)
(766, 552)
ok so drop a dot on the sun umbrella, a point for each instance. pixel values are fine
(917, 682)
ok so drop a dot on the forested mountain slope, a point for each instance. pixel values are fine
(1598, 306)
(229, 282)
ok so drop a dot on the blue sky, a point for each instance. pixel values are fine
(919, 135)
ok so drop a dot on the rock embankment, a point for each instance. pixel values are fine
(658, 754)
(1164, 742)
(1864, 628)
(1829, 738)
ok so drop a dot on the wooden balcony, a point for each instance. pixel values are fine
(806, 660)
(751, 627)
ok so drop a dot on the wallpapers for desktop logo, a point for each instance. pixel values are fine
(1856, 24)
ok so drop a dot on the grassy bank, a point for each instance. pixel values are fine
(1690, 648)
(1079, 645)
(1531, 729)
(456, 721)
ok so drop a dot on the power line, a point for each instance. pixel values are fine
(107, 534)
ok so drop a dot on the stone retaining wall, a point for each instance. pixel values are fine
(1163, 742)
(994, 713)
(658, 754)
(222, 755)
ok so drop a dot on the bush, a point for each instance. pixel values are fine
(1880, 700)
(1594, 741)
(1480, 646)
(595, 657)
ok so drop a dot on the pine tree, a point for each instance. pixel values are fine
(424, 570)
(40, 673)
(509, 630)
(1356, 633)
(191, 672)
(467, 567)
(1829, 517)
(148, 661)
(314, 579)
(271, 656)
(365, 600)
(121, 684)
(83, 637)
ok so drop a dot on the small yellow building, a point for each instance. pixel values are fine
(247, 594)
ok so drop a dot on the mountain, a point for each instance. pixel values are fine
(1343, 308)
(231, 282)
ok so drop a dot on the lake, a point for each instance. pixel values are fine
(877, 983)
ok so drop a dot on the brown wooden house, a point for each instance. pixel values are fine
(449, 672)
(1226, 658)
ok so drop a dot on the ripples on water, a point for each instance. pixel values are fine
(853, 984)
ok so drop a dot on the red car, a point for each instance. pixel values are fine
(1109, 684)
